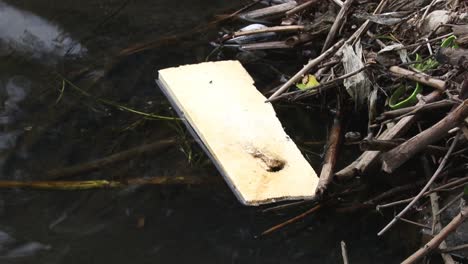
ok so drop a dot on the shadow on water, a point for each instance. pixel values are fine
(46, 124)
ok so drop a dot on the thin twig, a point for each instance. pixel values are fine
(414, 223)
(319, 88)
(301, 7)
(334, 140)
(457, 198)
(292, 220)
(418, 77)
(268, 29)
(337, 24)
(344, 253)
(436, 224)
(426, 12)
(456, 248)
(437, 239)
(424, 189)
(312, 63)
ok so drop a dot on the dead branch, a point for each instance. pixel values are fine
(301, 7)
(326, 175)
(270, 11)
(265, 45)
(385, 145)
(424, 189)
(399, 155)
(456, 248)
(418, 77)
(337, 24)
(455, 184)
(117, 157)
(436, 225)
(416, 109)
(292, 220)
(367, 159)
(344, 253)
(269, 29)
(436, 240)
(312, 63)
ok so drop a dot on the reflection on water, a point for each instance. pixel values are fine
(10, 249)
(28, 33)
(14, 92)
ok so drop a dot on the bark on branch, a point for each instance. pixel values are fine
(399, 155)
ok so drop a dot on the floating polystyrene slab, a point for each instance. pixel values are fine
(239, 131)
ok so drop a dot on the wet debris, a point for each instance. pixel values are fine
(404, 63)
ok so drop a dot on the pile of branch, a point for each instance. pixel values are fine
(402, 61)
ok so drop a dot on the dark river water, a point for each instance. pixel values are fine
(46, 125)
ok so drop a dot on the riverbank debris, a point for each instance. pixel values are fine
(239, 131)
(397, 68)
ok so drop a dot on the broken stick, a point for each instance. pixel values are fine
(437, 239)
(424, 189)
(301, 7)
(312, 63)
(268, 29)
(367, 159)
(337, 24)
(326, 175)
(418, 77)
(399, 155)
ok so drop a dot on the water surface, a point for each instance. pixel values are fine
(47, 125)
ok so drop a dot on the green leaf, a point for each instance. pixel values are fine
(425, 65)
(449, 42)
(309, 81)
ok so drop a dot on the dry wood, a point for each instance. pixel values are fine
(268, 29)
(436, 224)
(114, 158)
(319, 88)
(455, 248)
(344, 253)
(416, 109)
(265, 45)
(312, 63)
(354, 38)
(453, 185)
(365, 26)
(414, 223)
(436, 240)
(399, 155)
(369, 158)
(385, 145)
(269, 11)
(338, 2)
(337, 24)
(301, 7)
(298, 39)
(418, 77)
(292, 220)
(326, 175)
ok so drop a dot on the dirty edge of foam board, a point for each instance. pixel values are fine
(240, 133)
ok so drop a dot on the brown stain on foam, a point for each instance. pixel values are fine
(270, 162)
